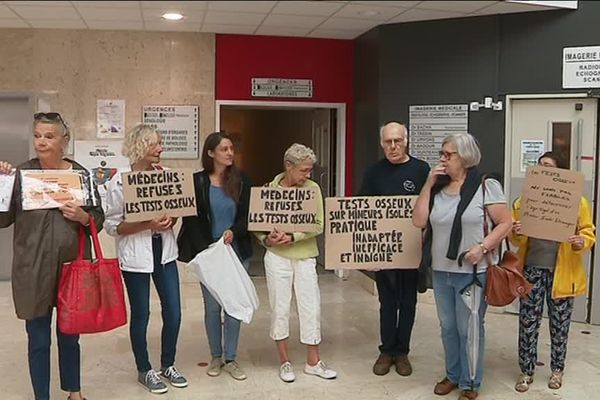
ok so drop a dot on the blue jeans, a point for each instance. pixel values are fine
(223, 332)
(38, 334)
(453, 314)
(166, 281)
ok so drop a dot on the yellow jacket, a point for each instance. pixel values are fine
(569, 274)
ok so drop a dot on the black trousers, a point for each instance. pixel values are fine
(397, 306)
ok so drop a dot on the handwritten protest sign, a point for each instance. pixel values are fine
(43, 189)
(550, 203)
(150, 194)
(371, 232)
(287, 209)
(6, 188)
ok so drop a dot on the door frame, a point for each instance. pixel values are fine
(508, 123)
(591, 311)
(340, 156)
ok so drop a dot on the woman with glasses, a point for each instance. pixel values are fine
(44, 239)
(147, 250)
(222, 200)
(557, 273)
(290, 262)
(451, 209)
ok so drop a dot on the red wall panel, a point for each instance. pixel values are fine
(328, 62)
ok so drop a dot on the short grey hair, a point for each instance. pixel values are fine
(396, 125)
(467, 148)
(298, 153)
(137, 141)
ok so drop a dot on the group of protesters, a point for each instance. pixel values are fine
(452, 202)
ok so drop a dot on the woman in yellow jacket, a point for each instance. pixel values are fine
(557, 272)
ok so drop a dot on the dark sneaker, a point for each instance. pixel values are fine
(174, 377)
(383, 364)
(403, 366)
(151, 381)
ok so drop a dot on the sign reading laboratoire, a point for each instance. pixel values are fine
(149, 194)
(286, 209)
(550, 203)
(371, 232)
(429, 125)
(581, 67)
(178, 126)
(278, 87)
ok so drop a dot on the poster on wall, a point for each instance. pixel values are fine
(103, 159)
(430, 124)
(581, 67)
(371, 232)
(178, 126)
(110, 119)
(531, 150)
(550, 203)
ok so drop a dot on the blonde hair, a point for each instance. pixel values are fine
(298, 153)
(137, 141)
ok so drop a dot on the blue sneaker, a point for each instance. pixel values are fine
(151, 381)
(174, 377)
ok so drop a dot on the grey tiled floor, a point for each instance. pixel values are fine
(350, 328)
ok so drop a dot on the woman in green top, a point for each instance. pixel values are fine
(290, 262)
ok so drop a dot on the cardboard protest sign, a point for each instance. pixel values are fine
(6, 189)
(550, 203)
(149, 194)
(371, 232)
(287, 209)
(43, 189)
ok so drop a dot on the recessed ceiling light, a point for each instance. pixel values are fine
(369, 13)
(172, 16)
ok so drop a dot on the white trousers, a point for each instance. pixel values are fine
(283, 273)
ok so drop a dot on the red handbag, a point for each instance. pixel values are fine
(90, 292)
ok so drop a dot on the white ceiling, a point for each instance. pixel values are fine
(323, 19)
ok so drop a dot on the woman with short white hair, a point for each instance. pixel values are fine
(290, 261)
(451, 208)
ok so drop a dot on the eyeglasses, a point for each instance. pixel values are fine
(446, 154)
(393, 142)
(50, 116)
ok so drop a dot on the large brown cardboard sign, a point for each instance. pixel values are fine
(550, 203)
(287, 209)
(371, 232)
(149, 194)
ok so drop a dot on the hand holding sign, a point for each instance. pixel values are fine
(73, 212)
(161, 223)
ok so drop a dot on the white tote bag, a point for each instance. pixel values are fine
(220, 270)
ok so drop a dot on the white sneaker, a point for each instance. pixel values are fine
(286, 372)
(320, 370)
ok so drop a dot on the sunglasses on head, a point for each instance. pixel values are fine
(50, 116)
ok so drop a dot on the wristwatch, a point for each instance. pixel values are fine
(484, 249)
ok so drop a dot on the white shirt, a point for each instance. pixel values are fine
(135, 250)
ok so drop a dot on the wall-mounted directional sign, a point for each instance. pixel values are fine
(280, 87)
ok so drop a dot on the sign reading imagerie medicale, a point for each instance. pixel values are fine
(178, 126)
(278, 87)
(581, 67)
(430, 124)
(371, 232)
